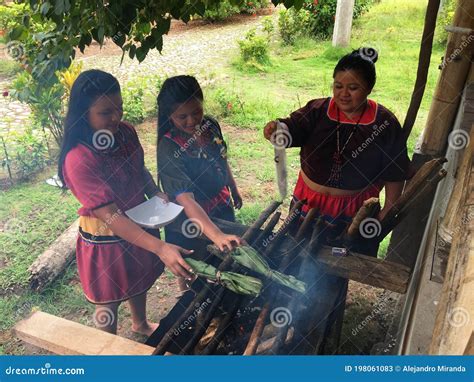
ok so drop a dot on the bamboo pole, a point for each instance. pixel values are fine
(454, 71)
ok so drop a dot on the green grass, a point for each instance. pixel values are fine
(32, 215)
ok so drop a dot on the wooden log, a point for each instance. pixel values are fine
(52, 262)
(267, 345)
(454, 71)
(413, 187)
(252, 345)
(250, 234)
(430, 185)
(367, 209)
(260, 241)
(65, 337)
(312, 247)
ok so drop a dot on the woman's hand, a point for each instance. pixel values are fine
(163, 196)
(170, 255)
(227, 242)
(269, 129)
(236, 198)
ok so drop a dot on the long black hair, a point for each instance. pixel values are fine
(175, 91)
(362, 61)
(88, 86)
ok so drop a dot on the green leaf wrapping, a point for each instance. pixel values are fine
(250, 258)
(235, 282)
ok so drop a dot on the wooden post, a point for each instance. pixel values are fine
(341, 35)
(454, 321)
(454, 71)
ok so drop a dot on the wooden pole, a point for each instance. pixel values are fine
(423, 66)
(454, 71)
(341, 36)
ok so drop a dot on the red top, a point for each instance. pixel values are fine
(376, 152)
(100, 177)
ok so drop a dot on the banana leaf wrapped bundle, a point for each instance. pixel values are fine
(235, 282)
(250, 258)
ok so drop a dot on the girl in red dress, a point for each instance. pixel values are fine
(102, 163)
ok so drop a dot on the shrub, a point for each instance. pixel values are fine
(133, 103)
(31, 154)
(294, 24)
(222, 11)
(254, 50)
(315, 19)
(445, 17)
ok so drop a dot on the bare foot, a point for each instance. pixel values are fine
(146, 328)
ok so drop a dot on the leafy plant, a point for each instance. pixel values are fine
(133, 104)
(221, 11)
(254, 50)
(445, 17)
(31, 154)
(316, 19)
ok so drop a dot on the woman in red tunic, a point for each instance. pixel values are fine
(102, 163)
(351, 146)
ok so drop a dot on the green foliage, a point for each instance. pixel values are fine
(50, 30)
(225, 9)
(10, 15)
(46, 103)
(133, 104)
(254, 50)
(315, 18)
(31, 154)
(445, 18)
(293, 25)
(222, 11)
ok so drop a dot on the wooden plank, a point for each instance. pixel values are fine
(361, 268)
(61, 336)
(454, 324)
(365, 269)
(470, 346)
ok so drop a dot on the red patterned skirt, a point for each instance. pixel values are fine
(110, 268)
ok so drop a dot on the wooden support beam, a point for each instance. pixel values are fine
(454, 320)
(367, 270)
(454, 72)
(65, 337)
(361, 268)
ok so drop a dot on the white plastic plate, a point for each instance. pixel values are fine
(154, 213)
